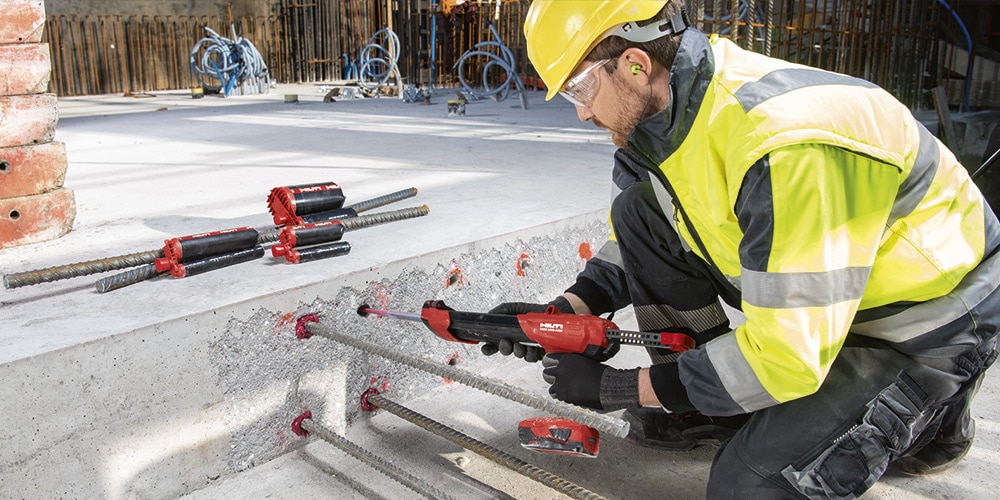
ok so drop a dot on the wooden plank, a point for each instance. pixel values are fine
(945, 125)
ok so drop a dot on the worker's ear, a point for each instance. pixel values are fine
(638, 64)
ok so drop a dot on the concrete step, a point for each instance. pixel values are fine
(187, 387)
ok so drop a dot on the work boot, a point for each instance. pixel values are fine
(934, 458)
(951, 440)
(657, 429)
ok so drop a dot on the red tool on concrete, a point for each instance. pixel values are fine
(213, 262)
(559, 435)
(288, 203)
(303, 235)
(198, 246)
(316, 252)
(554, 331)
(308, 242)
(329, 215)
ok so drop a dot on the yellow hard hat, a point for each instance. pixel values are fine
(560, 33)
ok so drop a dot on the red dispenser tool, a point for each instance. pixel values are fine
(287, 204)
(197, 246)
(593, 336)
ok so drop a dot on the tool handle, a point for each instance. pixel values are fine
(552, 330)
(470, 327)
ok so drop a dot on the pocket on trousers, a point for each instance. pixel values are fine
(858, 457)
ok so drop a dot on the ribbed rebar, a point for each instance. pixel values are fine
(604, 423)
(130, 277)
(474, 445)
(383, 217)
(768, 26)
(67, 271)
(269, 235)
(384, 200)
(374, 461)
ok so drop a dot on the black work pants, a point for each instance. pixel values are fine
(874, 406)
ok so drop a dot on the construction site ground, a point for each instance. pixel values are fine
(186, 388)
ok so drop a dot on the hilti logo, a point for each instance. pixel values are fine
(316, 188)
(551, 327)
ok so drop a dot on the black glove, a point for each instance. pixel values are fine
(529, 353)
(580, 380)
(527, 307)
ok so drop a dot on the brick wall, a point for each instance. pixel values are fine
(34, 205)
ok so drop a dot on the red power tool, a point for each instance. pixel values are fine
(288, 204)
(553, 330)
(187, 249)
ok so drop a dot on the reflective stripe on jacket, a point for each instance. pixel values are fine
(816, 195)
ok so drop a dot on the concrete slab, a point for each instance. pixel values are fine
(172, 388)
(192, 166)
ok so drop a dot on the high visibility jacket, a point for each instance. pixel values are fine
(830, 210)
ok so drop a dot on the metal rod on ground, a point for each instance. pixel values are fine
(403, 194)
(402, 477)
(511, 462)
(132, 277)
(17, 280)
(985, 164)
(604, 423)
(121, 280)
(46, 275)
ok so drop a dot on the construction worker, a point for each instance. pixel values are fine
(862, 256)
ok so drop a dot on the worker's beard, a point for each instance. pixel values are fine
(634, 105)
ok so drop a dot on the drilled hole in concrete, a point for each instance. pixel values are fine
(14, 215)
(4, 166)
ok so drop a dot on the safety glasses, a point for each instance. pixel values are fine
(582, 88)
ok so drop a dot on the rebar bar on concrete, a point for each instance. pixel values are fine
(134, 276)
(604, 423)
(372, 460)
(472, 444)
(383, 200)
(67, 271)
(121, 280)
